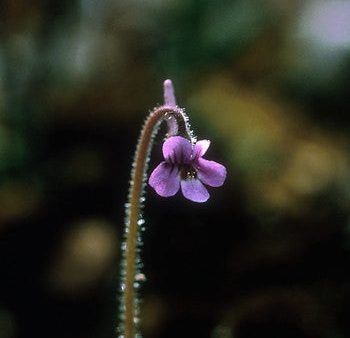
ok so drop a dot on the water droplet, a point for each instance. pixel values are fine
(141, 222)
(140, 277)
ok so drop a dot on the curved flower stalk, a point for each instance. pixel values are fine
(184, 167)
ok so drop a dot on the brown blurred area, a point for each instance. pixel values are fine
(266, 81)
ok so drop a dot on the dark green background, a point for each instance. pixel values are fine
(266, 81)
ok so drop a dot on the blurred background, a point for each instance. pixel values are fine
(266, 81)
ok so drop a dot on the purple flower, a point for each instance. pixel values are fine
(185, 166)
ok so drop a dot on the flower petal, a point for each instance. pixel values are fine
(210, 172)
(165, 179)
(178, 150)
(201, 148)
(194, 190)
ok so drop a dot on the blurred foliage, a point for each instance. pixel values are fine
(266, 81)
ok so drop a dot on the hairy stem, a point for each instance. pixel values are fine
(177, 123)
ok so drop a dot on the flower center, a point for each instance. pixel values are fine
(188, 172)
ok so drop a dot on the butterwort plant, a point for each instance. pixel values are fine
(183, 168)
